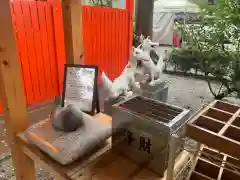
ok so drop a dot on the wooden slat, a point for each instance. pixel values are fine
(200, 112)
(214, 141)
(102, 44)
(72, 22)
(215, 136)
(213, 159)
(227, 106)
(121, 49)
(107, 31)
(146, 174)
(86, 39)
(59, 41)
(51, 48)
(120, 169)
(38, 49)
(22, 44)
(230, 121)
(181, 161)
(127, 31)
(12, 94)
(115, 45)
(31, 52)
(226, 112)
(17, 44)
(130, 6)
(221, 169)
(108, 45)
(199, 176)
(45, 50)
(212, 119)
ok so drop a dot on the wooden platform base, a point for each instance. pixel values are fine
(103, 165)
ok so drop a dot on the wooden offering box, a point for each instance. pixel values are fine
(212, 165)
(146, 125)
(217, 126)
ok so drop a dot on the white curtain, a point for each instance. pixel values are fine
(163, 24)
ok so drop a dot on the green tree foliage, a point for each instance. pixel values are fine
(216, 44)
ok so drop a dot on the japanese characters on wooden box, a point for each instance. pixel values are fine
(145, 125)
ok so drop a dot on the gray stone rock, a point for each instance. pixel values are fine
(67, 118)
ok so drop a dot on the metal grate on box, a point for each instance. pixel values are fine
(140, 118)
(151, 110)
(217, 126)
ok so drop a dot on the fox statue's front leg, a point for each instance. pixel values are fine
(134, 86)
(152, 81)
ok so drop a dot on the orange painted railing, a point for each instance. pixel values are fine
(106, 39)
(39, 35)
(35, 37)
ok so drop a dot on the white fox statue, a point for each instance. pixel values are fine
(121, 86)
(149, 65)
(144, 60)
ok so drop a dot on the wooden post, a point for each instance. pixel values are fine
(12, 95)
(144, 17)
(130, 8)
(172, 156)
(72, 23)
(194, 160)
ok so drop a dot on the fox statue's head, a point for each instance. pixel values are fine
(147, 44)
(141, 57)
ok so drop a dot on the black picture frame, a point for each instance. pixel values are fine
(95, 97)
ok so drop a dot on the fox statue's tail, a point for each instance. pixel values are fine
(107, 83)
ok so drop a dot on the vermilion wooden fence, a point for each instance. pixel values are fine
(39, 35)
(35, 36)
(106, 38)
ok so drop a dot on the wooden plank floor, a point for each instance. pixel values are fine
(116, 167)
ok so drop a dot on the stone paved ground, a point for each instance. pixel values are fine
(183, 91)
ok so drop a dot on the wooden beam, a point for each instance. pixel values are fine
(144, 17)
(12, 94)
(72, 23)
(130, 8)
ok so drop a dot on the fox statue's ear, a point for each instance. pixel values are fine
(141, 38)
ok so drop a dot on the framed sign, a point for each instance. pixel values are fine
(80, 87)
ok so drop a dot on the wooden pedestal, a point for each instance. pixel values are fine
(158, 92)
